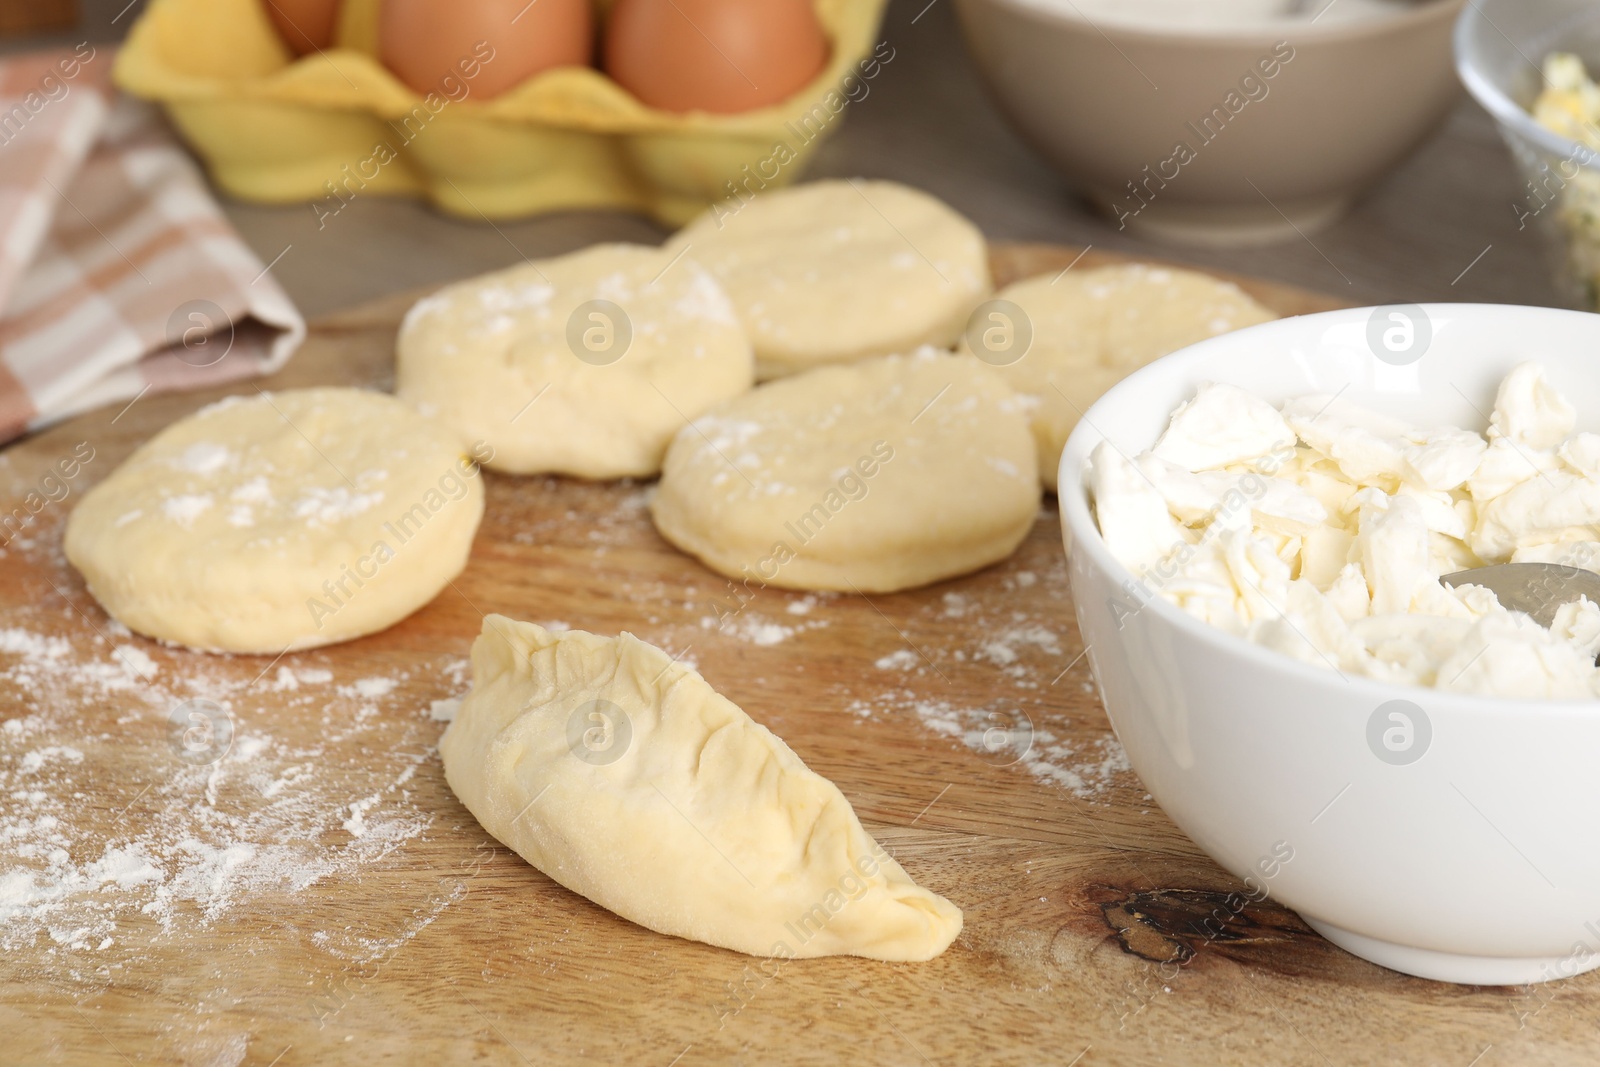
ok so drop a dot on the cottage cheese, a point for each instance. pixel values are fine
(1320, 529)
(1569, 106)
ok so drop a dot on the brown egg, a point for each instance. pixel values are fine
(306, 25)
(714, 55)
(488, 45)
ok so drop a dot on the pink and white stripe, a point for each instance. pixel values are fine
(107, 231)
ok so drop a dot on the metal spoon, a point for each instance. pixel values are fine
(1536, 588)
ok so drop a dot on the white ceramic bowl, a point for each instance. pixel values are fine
(1109, 100)
(1474, 863)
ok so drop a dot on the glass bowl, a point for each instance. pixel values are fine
(1500, 46)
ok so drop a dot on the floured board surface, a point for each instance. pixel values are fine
(318, 895)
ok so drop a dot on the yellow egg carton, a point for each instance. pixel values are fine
(337, 125)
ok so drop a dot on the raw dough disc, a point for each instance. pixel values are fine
(526, 360)
(880, 475)
(623, 775)
(839, 270)
(1092, 328)
(286, 520)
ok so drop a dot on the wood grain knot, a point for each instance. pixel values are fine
(1173, 925)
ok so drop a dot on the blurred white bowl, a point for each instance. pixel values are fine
(1282, 123)
(1473, 863)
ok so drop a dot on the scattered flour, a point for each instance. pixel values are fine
(763, 633)
(374, 688)
(356, 824)
(1004, 648)
(903, 660)
(136, 660)
(752, 629)
(36, 759)
(1007, 735)
(1028, 728)
(956, 606)
(33, 646)
(105, 830)
(457, 671)
(288, 679)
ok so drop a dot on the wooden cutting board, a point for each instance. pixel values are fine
(418, 939)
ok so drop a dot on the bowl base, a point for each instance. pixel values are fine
(1230, 226)
(1449, 967)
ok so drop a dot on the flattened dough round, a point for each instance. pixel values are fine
(880, 475)
(834, 271)
(1092, 328)
(286, 520)
(623, 775)
(525, 361)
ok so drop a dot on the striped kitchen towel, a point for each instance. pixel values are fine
(119, 274)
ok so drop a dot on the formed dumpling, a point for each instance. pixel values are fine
(624, 776)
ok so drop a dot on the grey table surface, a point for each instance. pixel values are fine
(927, 122)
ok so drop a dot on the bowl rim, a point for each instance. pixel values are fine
(1418, 14)
(1072, 497)
(1505, 111)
